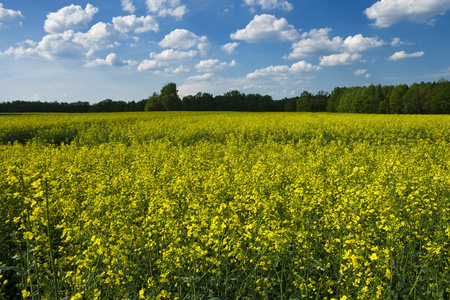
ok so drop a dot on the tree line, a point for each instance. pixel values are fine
(107, 105)
(419, 98)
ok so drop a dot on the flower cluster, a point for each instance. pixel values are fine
(227, 205)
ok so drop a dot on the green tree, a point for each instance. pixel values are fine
(169, 97)
(413, 100)
(320, 101)
(304, 102)
(334, 98)
(154, 103)
(290, 104)
(383, 105)
(396, 99)
(369, 98)
(350, 100)
(265, 103)
(438, 97)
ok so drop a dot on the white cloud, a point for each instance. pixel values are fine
(402, 55)
(205, 76)
(21, 52)
(29, 43)
(359, 43)
(59, 45)
(172, 71)
(100, 36)
(184, 39)
(127, 5)
(266, 28)
(69, 17)
(167, 8)
(213, 64)
(388, 12)
(52, 46)
(317, 41)
(159, 60)
(179, 69)
(397, 42)
(148, 64)
(230, 47)
(270, 4)
(7, 15)
(340, 59)
(298, 68)
(135, 24)
(70, 44)
(111, 60)
(360, 72)
(171, 54)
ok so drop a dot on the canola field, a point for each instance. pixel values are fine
(179, 205)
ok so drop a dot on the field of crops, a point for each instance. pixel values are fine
(178, 205)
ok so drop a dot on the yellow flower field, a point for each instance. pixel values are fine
(179, 205)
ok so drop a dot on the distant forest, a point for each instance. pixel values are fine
(419, 98)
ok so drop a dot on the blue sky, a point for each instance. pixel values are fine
(127, 49)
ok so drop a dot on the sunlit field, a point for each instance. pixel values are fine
(174, 205)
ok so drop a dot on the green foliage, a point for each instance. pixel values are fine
(154, 103)
(169, 97)
(423, 98)
(396, 98)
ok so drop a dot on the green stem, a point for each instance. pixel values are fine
(28, 257)
(55, 281)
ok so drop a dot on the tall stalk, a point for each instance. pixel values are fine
(28, 249)
(55, 281)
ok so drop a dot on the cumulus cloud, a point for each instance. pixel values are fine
(205, 76)
(360, 72)
(318, 41)
(101, 35)
(340, 59)
(397, 42)
(148, 64)
(230, 47)
(167, 8)
(270, 4)
(213, 64)
(135, 24)
(7, 15)
(159, 60)
(266, 28)
(71, 44)
(359, 43)
(171, 54)
(184, 39)
(111, 60)
(21, 51)
(388, 12)
(127, 5)
(69, 17)
(177, 70)
(314, 42)
(52, 46)
(298, 68)
(402, 55)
